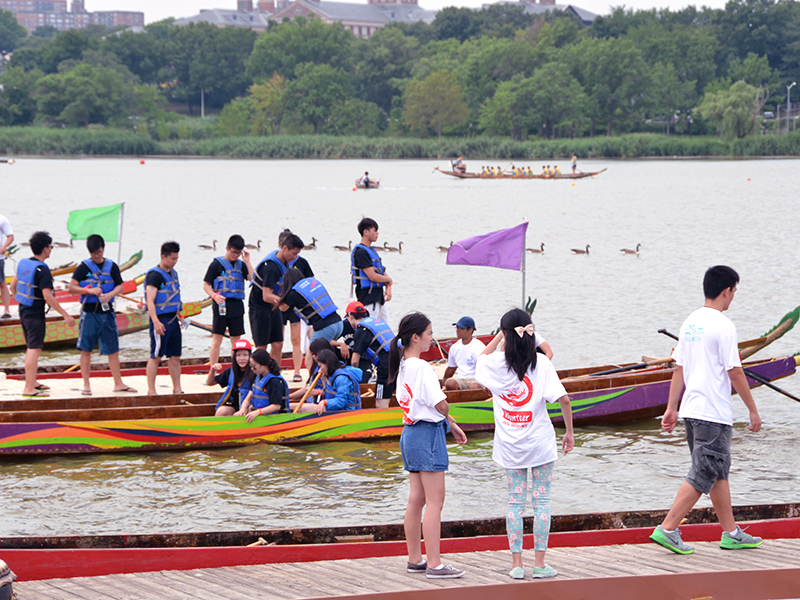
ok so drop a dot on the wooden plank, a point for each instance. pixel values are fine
(333, 586)
(158, 586)
(43, 590)
(246, 586)
(73, 589)
(108, 585)
(192, 583)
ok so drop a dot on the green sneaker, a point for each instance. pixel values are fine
(547, 571)
(517, 573)
(739, 540)
(671, 541)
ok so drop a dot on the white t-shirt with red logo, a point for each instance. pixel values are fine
(523, 433)
(418, 391)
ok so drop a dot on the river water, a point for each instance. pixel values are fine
(595, 309)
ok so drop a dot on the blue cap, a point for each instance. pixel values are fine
(465, 323)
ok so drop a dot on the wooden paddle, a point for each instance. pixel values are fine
(205, 328)
(749, 373)
(308, 391)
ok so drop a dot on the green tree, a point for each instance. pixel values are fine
(435, 103)
(668, 95)
(142, 53)
(268, 105)
(283, 47)
(756, 71)
(65, 46)
(491, 61)
(237, 117)
(382, 65)
(314, 93)
(357, 117)
(17, 103)
(733, 111)
(457, 23)
(11, 32)
(509, 112)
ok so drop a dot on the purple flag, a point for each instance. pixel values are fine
(501, 249)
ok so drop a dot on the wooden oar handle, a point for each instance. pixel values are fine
(308, 391)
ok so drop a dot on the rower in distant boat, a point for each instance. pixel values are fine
(365, 181)
(459, 166)
(556, 170)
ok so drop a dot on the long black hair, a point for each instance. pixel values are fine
(289, 280)
(329, 359)
(520, 351)
(412, 324)
(262, 357)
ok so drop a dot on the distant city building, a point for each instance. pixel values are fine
(39, 13)
(542, 6)
(362, 20)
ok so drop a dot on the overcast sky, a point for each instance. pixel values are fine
(155, 10)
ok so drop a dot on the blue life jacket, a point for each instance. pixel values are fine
(168, 298)
(358, 275)
(381, 337)
(98, 276)
(261, 397)
(354, 375)
(272, 256)
(244, 388)
(317, 298)
(324, 385)
(231, 282)
(26, 270)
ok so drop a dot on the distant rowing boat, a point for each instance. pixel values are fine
(465, 175)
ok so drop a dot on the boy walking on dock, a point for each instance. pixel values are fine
(707, 358)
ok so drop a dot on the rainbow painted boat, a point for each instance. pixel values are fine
(605, 399)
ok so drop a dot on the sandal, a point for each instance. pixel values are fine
(298, 378)
(41, 386)
(37, 394)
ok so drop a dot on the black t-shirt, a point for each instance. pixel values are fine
(295, 300)
(347, 334)
(269, 274)
(155, 279)
(222, 379)
(301, 264)
(83, 273)
(276, 390)
(42, 278)
(362, 260)
(234, 307)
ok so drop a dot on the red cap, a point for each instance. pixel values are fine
(356, 308)
(242, 345)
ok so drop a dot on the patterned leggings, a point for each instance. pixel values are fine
(517, 493)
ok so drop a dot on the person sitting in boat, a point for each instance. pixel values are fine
(365, 181)
(574, 163)
(459, 166)
(462, 357)
(556, 170)
(499, 171)
(236, 379)
(529, 172)
(371, 344)
(345, 381)
(270, 392)
(321, 389)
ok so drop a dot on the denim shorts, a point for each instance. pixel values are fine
(423, 446)
(710, 445)
(99, 328)
(330, 333)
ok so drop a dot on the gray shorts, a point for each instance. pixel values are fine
(710, 445)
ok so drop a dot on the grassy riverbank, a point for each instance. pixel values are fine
(115, 142)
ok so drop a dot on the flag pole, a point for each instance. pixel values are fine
(121, 220)
(523, 277)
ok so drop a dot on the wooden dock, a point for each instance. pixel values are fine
(598, 572)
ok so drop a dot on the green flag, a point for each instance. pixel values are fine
(103, 220)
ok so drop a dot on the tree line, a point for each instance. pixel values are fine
(497, 71)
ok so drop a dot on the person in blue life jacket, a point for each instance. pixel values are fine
(163, 297)
(298, 329)
(225, 282)
(345, 381)
(32, 287)
(371, 343)
(320, 390)
(310, 300)
(97, 280)
(373, 287)
(237, 379)
(270, 392)
(266, 325)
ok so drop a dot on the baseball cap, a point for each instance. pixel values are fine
(357, 308)
(465, 323)
(242, 344)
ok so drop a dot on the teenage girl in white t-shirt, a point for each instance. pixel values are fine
(422, 443)
(522, 381)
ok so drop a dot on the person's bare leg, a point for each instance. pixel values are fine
(538, 558)
(213, 353)
(413, 519)
(224, 411)
(686, 498)
(86, 369)
(720, 496)
(297, 346)
(116, 373)
(174, 363)
(451, 384)
(31, 366)
(433, 482)
(152, 371)
(276, 351)
(5, 293)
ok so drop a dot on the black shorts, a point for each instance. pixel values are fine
(169, 344)
(234, 325)
(266, 325)
(33, 327)
(290, 317)
(2, 269)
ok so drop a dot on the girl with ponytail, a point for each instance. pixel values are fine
(522, 382)
(423, 445)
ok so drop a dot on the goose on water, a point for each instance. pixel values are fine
(380, 248)
(213, 246)
(312, 245)
(536, 250)
(256, 246)
(629, 251)
(579, 251)
(62, 244)
(398, 249)
(444, 248)
(345, 248)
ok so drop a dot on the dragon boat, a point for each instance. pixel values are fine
(466, 175)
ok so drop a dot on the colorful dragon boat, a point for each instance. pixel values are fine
(504, 175)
